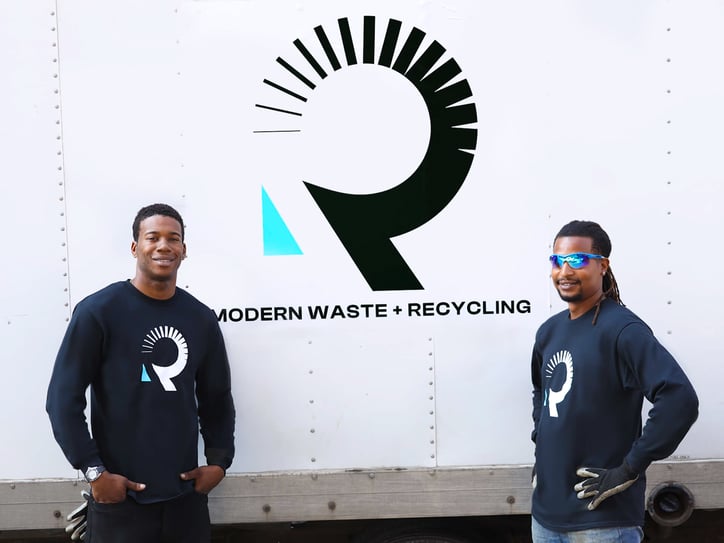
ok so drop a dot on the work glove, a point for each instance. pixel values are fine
(78, 519)
(602, 483)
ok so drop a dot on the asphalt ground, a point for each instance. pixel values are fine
(702, 527)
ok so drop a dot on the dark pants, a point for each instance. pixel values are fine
(181, 520)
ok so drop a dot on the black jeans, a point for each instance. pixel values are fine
(181, 520)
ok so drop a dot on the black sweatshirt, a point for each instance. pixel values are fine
(157, 370)
(589, 382)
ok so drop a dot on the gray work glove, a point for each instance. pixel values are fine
(602, 483)
(78, 519)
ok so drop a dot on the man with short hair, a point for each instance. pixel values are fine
(592, 366)
(156, 364)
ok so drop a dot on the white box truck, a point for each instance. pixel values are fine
(371, 189)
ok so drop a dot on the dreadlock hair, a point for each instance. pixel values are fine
(601, 244)
(164, 210)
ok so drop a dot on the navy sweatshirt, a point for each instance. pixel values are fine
(589, 382)
(157, 370)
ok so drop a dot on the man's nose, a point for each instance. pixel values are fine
(566, 269)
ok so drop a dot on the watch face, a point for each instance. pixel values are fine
(92, 473)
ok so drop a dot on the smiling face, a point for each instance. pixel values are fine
(158, 252)
(581, 288)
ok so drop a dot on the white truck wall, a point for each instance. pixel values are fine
(34, 299)
(605, 111)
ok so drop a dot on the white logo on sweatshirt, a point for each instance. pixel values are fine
(554, 397)
(166, 373)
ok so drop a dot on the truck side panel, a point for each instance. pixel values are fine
(233, 112)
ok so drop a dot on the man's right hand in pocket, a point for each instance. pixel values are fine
(112, 488)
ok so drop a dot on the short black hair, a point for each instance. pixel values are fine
(588, 229)
(156, 209)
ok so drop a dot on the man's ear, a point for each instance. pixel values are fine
(133, 248)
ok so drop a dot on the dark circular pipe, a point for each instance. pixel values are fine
(670, 504)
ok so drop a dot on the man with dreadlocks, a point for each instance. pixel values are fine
(592, 366)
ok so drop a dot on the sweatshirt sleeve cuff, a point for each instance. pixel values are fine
(218, 457)
(636, 465)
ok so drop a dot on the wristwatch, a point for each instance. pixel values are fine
(93, 472)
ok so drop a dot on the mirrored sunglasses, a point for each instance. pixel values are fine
(574, 260)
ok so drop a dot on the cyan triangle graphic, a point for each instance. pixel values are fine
(144, 374)
(278, 240)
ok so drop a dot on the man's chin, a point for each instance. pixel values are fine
(162, 277)
(570, 297)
